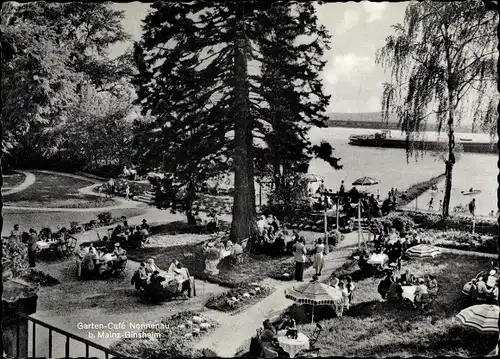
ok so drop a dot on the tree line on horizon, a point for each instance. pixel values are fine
(215, 88)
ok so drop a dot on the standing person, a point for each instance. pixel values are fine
(15, 234)
(79, 255)
(440, 205)
(431, 204)
(300, 258)
(319, 260)
(127, 192)
(33, 238)
(342, 188)
(111, 187)
(472, 207)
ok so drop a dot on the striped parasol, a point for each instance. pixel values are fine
(423, 250)
(315, 293)
(366, 181)
(482, 317)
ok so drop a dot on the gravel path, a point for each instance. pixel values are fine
(28, 181)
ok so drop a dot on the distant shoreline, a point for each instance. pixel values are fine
(378, 125)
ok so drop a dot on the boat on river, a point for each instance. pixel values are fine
(385, 139)
(471, 192)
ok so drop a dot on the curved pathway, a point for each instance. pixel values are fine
(241, 327)
(28, 181)
(88, 190)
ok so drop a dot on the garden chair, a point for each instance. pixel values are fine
(70, 247)
(266, 351)
(313, 350)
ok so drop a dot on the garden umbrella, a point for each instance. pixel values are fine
(482, 317)
(366, 181)
(313, 178)
(423, 250)
(314, 293)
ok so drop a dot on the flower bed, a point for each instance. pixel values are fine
(42, 279)
(463, 241)
(176, 340)
(239, 298)
(436, 221)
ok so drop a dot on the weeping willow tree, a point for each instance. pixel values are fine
(442, 61)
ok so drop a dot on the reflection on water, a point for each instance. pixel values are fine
(389, 165)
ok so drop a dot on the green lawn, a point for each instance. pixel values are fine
(254, 268)
(13, 180)
(374, 328)
(56, 220)
(51, 190)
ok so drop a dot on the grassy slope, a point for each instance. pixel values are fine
(373, 328)
(417, 189)
(11, 181)
(56, 191)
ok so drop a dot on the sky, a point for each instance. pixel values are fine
(350, 75)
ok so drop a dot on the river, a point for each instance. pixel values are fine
(389, 165)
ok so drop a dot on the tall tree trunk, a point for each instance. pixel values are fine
(243, 223)
(449, 163)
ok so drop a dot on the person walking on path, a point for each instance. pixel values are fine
(431, 204)
(127, 192)
(300, 258)
(33, 238)
(319, 260)
(472, 207)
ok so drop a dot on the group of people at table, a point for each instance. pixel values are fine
(129, 236)
(282, 337)
(395, 288)
(485, 285)
(156, 284)
(387, 248)
(39, 242)
(272, 237)
(93, 262)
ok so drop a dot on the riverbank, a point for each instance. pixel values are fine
(417, 189)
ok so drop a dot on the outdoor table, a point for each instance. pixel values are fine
(42, 245)
(409, 292)
(293, 346)
(378, 259)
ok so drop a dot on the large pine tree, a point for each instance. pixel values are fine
(196, 63)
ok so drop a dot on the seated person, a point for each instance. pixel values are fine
(384, 285)
(184, 284)
(287, 322)
(135, 239)
(172, 269)
(145, 225)
(421, 292)
(395, 292)
(268, 335)
(334, 283)
(236, 250)
(140, 277)
(103, 264)
(279, 244)
(91, 249)
(119, 253)
(491, 282)
(433, 286)
(407, 278)
(151, 267)
(482, 288)
(154, 290)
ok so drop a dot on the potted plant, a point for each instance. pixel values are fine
(212, 259)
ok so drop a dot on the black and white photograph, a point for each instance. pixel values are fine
(267, 179)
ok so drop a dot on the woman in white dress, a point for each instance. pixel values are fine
(318, 257)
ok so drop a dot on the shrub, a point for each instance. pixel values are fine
(105, 218)
(17, 253)
(238, 298)
(40, 278)
(175, 341)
